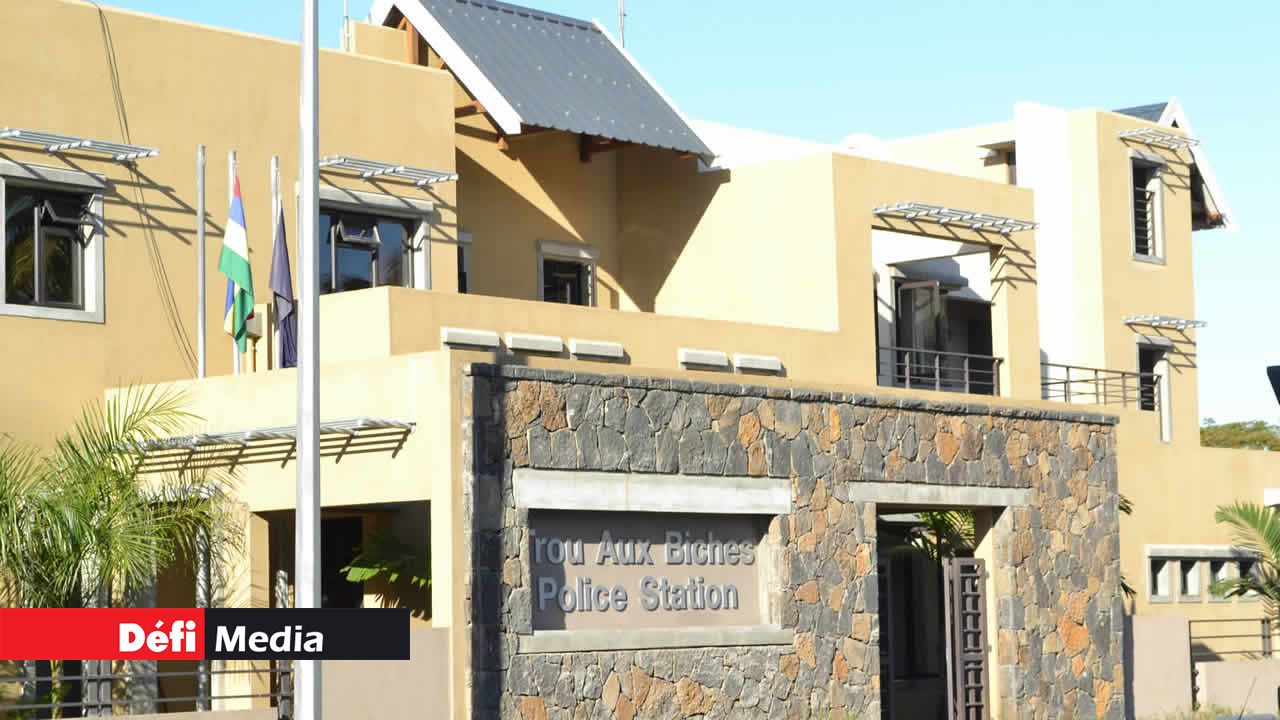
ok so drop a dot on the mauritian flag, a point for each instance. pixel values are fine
(234, 263)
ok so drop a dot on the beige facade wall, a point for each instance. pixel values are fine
(1158, 666)
(686, 236)
(958, 151)
(172, 85)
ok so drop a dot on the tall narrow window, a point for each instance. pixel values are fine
(46, 233)
(464, 262)
(1189, 579)
(1159, 578)
(1149, 360)
(1219, 571)
(1154, 390)
(1146, 209)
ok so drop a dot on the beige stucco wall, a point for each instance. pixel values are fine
(1241, 685)
(1175, 489)
(864, 184)
(756, 243)
(1157, 665)
(958, 151)
(1133, 287)
(173, 85)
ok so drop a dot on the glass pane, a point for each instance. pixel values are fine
(395, 257)
(355, 267)
(563, 282)
(19, 247)
(60, 265)
(326, 250)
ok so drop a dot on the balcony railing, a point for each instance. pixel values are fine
(936, 370)
(1098, 386)
(37, 695)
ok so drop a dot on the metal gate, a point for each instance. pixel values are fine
(964, 592)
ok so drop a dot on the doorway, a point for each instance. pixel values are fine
(943, 336)
(933, 622)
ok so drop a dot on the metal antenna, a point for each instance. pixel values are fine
(346, 21)
(622, 22)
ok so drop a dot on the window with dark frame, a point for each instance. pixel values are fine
(464, 267)
(46, 232)
(1145, 180)
(1149, 359)
(565, 281)
(362, 250)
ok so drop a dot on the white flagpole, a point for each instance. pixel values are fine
(276, 204)
(202, 296)
(231, 193)
(307, 513)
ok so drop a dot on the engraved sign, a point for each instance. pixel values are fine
(630, 569)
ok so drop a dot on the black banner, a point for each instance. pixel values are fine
(306, 634)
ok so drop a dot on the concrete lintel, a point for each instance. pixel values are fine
(1198, 552)
(703, 358)
(951, 495)
(534, 343)
(596, 348)
(557, 641)
(650, 492)
(469, 337)
(1271, 497)
(761, 363)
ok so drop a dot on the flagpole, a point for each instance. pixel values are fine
(201, 292)
(231, 193)
(275, 220)
(307, 513)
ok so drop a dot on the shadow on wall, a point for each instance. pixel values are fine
(635, 263)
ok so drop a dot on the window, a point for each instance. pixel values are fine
(1149, 359)
(1154, 391)
(464, 262)
(340, 542)
(1189, 579)
(1159, 586)
(1247, 568)
(566, 273)
(1219, 571)
(1147, 206)
(52, 259)
(361, 250)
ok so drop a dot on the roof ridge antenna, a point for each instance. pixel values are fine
(622, 23)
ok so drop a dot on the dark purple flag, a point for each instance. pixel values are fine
(282, 289)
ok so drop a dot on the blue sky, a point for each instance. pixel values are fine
(825, 68)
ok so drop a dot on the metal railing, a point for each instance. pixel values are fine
(1099, 386)
(1252, 638)
(936, 370)
(95, 694)
(1144, 229)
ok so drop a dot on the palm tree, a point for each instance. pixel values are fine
(79, 526)
(1255, 528)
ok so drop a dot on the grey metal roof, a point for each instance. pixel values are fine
(562, 73)
(1151, 113)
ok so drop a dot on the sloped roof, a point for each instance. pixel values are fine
(1171, 114)
(533, 68)
(1150, 113)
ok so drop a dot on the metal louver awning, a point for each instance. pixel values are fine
(338, 438)
(952, 216)
(1163, 321)
(1157, 137)
(370, 169)
(56, 143)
